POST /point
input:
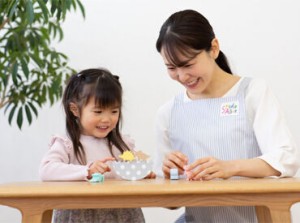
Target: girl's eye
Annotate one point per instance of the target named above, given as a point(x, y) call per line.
point(188, 65)
point(115, 111)
point(98, 111)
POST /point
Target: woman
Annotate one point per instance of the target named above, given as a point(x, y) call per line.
point(223, 125)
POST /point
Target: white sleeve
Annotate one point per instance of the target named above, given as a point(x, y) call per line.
point(163, 145)
point(273, 136)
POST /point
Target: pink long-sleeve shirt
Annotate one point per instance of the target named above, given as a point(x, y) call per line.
point(60, 163)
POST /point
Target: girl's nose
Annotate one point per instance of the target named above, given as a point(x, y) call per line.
point(105, 118)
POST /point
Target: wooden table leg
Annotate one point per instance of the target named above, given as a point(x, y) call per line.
point(28, 217)
point(280, 214)
point(36, 215)
point(32, 210)
point(47, 216)
point(263, 214)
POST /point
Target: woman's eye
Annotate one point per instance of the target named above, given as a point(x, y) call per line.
point(188, 65)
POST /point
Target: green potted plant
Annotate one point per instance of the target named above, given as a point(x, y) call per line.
point(32, 73)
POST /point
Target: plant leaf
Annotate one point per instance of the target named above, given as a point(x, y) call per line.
point(11, 114)
point(20, 117)
point(29, 11)
point(24, 67)
point(15, 72)
point(31, 71)
point(61, 34)
point(7, 107)
point(28, 114)
point(33, 108)
point(81, 8)
point(44, 9)
point(12, 8)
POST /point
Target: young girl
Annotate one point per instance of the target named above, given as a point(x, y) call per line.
point(92, 102)
point(223, 125)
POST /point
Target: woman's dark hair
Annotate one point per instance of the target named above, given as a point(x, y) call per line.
point(106, 90)
point(187, 33)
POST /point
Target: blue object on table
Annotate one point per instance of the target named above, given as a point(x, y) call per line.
point(174, 174)
point(97, 178)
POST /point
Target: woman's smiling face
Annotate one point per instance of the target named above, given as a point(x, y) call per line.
point(195, 74)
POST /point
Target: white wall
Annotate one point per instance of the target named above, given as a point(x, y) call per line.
point(260, 38)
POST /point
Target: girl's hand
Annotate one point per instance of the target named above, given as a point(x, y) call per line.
point(151, 175)
point(209, 168)
point(100, 166)
point(172, 160)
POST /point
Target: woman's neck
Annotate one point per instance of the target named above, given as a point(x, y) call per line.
point(220, 84)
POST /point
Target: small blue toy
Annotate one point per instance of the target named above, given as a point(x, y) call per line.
point(174, 174)
point(97, 178)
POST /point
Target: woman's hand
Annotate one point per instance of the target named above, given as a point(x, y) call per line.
point(100, 166)
point(209, 168)
point(176, 160)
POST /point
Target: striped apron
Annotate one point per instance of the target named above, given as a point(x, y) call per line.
point(215, 127)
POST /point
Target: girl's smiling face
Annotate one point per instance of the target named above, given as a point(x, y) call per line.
point(96, 121)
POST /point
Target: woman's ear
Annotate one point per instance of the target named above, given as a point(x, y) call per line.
point(74, 109)
point(215, 48)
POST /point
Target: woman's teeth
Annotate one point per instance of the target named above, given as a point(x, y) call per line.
point(192, 82)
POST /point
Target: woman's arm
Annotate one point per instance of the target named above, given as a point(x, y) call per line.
point(280, 155)
point(278, 147)
point(163, 146)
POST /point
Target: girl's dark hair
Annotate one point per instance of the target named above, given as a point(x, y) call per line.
point(106, 90)
point(187, 33)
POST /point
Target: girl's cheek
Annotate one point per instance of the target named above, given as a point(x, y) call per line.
point(116, 121)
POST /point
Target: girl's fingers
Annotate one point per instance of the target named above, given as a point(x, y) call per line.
point(104, 167)
point(166, 172)
point(100, 166)
point(107, 159)
point(151, 175)
point(99, 169)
